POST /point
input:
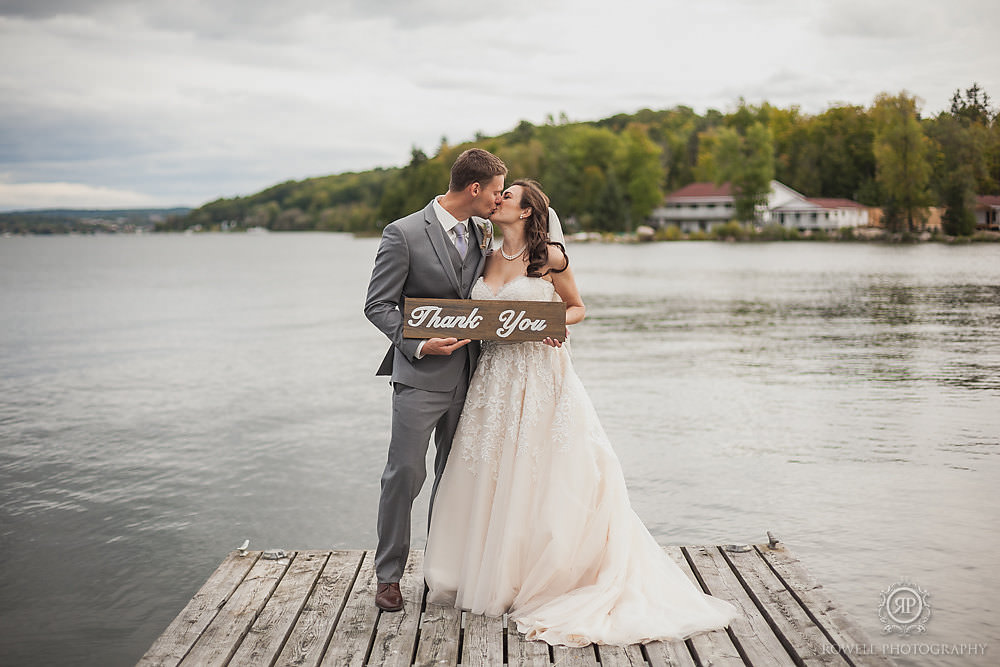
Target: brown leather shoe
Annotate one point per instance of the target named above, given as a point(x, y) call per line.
point(388, 597)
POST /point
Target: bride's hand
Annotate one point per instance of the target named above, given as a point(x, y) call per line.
point(552, 342)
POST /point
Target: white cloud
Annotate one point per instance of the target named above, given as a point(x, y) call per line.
point(21, 196)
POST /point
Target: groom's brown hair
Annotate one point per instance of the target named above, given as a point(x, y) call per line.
point(475, 166)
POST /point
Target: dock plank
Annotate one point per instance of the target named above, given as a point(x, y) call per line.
point(483, 645)
point(352, 637)
point(792, 625)
point(621, 656)
point(837, 624)
point(322, 610)
point(574, 656)
point(669, 654)
point(396, 635)
point(317, 608)
point(750, 628)
point(171, 647)
point(267, 635)
point(440, 629)
point(223, 635)
point(717, 644)
point(523, 653)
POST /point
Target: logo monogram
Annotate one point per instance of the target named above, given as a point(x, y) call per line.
point(904, 609)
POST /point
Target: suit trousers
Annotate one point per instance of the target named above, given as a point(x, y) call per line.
point(415, 414)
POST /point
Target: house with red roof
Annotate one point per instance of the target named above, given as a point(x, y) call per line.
point(695, 207)
point(988, 212)
point(702, 206)
point(817, 213)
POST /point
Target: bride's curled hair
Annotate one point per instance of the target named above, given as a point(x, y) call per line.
point(536, 228)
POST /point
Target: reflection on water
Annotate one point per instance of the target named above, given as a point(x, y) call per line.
point(164, 398)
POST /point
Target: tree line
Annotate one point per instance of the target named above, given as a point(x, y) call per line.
point(608, 175)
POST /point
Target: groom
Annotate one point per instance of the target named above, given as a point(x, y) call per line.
point(433, 253)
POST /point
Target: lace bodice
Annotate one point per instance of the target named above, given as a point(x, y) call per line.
point(514, 384)
point(522, 288)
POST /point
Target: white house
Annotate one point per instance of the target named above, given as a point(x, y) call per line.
point(702, 206)
point(988, 212)
point(813, 213)
point(698, 206)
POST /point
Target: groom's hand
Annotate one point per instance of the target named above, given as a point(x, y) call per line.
point(443, 346)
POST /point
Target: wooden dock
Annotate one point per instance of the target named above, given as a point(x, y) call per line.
point(316, 608)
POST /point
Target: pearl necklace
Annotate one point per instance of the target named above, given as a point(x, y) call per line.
point(511, 258)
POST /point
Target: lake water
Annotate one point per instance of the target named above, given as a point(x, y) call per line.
point(163, 398)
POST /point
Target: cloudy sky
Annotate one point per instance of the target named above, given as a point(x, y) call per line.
point(119, 103)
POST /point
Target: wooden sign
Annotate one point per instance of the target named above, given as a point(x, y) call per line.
point(513, 321)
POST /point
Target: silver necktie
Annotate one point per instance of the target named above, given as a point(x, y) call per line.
point(461, 240)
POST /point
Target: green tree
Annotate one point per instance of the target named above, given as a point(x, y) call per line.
point(747, 162)
point(973, 107)
point(958, 161)
point(706, 166)
point(577, 168)
point(961, 165)
point(845, 136)
point(637, 163)
point(416, 184)
point(902, 166)
point(974, 111)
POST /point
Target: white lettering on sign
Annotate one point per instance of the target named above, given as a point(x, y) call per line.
point(511, 321)
point(430, 316)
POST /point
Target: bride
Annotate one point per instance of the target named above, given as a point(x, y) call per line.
point(532, 517)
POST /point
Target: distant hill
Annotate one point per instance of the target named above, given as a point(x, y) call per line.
point(65, 220)
point(609, 174)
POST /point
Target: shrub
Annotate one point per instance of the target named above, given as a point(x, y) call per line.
point(669, 233)
point(772, 232)
point(731, 229)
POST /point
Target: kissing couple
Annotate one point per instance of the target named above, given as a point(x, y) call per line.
point(530, 515)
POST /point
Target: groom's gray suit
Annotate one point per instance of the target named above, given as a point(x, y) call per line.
point(417, 259)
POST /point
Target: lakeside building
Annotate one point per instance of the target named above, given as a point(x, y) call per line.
point(695, 207)
point(702, 206)
point(988, 212)
point(815, 213)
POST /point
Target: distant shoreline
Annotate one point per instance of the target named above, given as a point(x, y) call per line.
point(870, 236)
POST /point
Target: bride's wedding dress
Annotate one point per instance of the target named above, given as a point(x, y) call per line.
point(532, 516)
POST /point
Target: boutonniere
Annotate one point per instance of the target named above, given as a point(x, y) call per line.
point(486, 231)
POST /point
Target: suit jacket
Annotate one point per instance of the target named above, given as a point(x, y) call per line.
point(414, 260)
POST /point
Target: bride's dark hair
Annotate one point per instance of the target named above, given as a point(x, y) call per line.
point(536, 228)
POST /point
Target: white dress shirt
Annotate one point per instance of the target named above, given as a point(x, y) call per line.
point(448, 221)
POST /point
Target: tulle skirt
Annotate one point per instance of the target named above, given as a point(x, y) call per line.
point(532, 517)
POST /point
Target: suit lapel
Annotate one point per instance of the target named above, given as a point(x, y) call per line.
point(435, 232)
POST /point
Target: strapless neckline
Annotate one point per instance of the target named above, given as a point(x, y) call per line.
point(513, 281)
